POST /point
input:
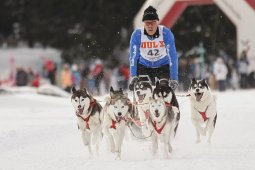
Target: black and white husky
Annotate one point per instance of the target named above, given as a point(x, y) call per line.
point(203, 108)
point(89, 119)
point(163, 90)
point(142, 95)
point(116, 113)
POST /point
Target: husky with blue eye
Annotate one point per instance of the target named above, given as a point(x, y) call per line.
point(203, 109)
point(116, 114)
point(89, 119)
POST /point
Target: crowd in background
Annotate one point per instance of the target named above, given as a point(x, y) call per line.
point(221, 72)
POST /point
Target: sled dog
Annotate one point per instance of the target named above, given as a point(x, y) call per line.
point(142, 95)
point(116, 113)
point(89, 119)
point(203, 109)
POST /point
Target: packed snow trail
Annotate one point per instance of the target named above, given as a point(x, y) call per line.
point(40, 132)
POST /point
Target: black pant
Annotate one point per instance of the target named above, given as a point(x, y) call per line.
point(160, 72)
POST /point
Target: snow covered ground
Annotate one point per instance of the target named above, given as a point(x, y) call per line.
point(40, 132)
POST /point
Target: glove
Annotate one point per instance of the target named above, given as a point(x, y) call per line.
point(132, 84)
point(173, 84)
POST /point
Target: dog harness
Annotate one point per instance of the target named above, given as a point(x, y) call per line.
point(113, 126)
point(86, 120)
point(160, 129)
point(203, 114)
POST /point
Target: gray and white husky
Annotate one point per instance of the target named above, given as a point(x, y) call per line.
point(203, 108)
point(162, 124)
point(89, 119)
point(116, 114)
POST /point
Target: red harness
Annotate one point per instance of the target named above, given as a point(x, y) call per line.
point(160, 129)
point(113, 126)
point(203, 114)
point(154, 123)
point(146, 113)
point(86, 120)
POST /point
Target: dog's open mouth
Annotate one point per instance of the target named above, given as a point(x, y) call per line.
point(141, 98)
point(198, 96)
point(119, 118)
point(157, 114)
point(80, 111)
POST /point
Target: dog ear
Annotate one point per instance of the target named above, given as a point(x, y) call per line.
point(111, 91)
point(157, 83)
point(73, 90)
point(203, 81)
point(193, 80)
point(85, 90)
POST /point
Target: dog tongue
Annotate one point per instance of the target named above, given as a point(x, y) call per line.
point(199, 96)
point(140, 98)
point(80, 111)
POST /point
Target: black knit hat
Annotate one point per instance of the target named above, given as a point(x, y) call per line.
point(150, 13)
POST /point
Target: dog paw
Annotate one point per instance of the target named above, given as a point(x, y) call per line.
point(198, 141)
point(117, 157)
point(113, 151)
point(203, 132)
point(170, 149)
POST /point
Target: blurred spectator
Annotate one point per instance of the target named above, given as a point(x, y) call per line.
point(36, 81)
point(21, 77)
point(243, 65)
point(76, 76)
point(251, 79)
point(220, 71)
point(123, 76)
point(30, 76)
point(98, 73)
point(84, 77)
point(66, 78)
point(234, 79)
point(50, 68)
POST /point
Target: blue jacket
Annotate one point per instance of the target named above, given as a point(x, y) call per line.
point(171, 57)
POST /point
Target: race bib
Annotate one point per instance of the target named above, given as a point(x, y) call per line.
point(153, 50)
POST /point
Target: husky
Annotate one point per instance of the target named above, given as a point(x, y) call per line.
point(89, 119)
point(203, 108)
point(116, 114)
point(162, 123)
point(142, 95)
point(163, 90)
